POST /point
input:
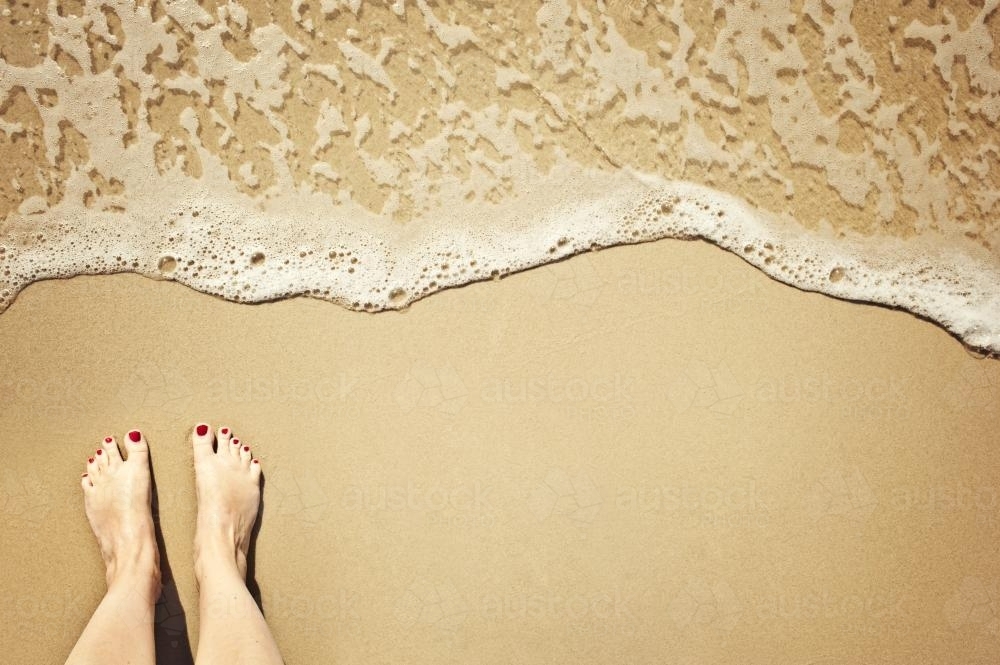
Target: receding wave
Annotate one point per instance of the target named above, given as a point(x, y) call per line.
point(374, 153)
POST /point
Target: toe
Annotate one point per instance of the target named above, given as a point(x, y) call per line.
point(234, 448)
point(85, 482)
point(245, 456)
point(224, 436)
point(100, 459)
point(93, 467)
point(201, 439)
point(255, 469)
point(111, 451)
point(135, 442)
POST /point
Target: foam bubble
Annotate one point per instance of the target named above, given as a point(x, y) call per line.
point(372, 155)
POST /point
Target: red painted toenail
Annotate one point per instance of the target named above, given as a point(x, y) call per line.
point(236, 442)
point(225, 430)
point(256, 461)
point(246, 449)
point(108, 439)
point(202, 430)
point(135, 436)
point(91, 460)
point(100, 452)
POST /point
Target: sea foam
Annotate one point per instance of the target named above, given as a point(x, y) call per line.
point(372, 154)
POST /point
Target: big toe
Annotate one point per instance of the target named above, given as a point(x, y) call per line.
point(201, 440)
point(135, 442)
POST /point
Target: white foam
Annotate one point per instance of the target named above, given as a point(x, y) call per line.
point(358, 173)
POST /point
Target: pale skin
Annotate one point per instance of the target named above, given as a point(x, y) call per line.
point(116, 494)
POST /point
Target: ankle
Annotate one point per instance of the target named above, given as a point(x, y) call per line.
point(135, 576)
point(217, 556)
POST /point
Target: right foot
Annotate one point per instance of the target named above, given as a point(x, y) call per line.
point(228, 484)
point(116, 495)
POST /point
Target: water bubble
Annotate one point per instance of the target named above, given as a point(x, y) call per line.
point(167, 264)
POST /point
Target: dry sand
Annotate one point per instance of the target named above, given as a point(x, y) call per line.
point(644, 455)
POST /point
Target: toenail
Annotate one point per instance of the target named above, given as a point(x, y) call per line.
point(225, 430)
point(256, 461)
point(135, 435)
point(107, 439)
point(236, 442)
point(246, 449)
point(202, 430)
point(100, 452)
point(91, 460)
point(83, 475)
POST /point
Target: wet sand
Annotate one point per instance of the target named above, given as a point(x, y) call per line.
point(648, 454)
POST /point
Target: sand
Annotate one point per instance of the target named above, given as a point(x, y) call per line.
point(643, 455)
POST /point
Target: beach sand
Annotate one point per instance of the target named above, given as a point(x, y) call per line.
point(643, 455)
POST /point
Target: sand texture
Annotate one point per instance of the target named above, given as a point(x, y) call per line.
point(643, 455)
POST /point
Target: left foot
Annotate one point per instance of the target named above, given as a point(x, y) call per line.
point(116, 496)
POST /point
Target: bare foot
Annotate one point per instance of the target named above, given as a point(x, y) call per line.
point(228, 484)
point(116, 496)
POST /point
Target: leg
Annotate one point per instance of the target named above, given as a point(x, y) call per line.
point(116, 496)
point(228, 482)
